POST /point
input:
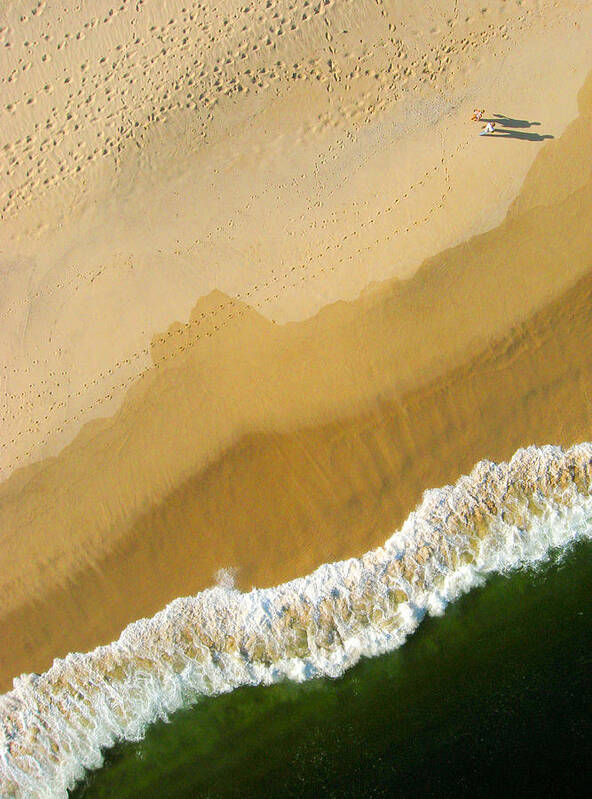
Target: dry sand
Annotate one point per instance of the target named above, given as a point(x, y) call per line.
point(291, 420)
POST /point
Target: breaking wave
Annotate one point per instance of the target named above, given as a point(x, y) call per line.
point(500, 517)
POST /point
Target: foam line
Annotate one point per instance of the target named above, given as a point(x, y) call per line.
point(500, 517)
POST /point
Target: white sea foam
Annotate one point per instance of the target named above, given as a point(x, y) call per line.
point(501, 517)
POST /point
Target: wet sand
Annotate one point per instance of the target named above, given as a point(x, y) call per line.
point(277, 502)
point(279, 429)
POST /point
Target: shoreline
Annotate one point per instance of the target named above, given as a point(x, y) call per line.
point(353, 336)
point(326, 490)
point(501, 518)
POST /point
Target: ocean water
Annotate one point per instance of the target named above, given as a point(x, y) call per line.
point(493, 698)
point(261, 693)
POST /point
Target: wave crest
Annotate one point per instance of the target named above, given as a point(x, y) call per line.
point(500, 517)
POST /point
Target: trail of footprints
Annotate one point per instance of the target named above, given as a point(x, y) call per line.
point(273, 275)
point(120, 114)
point(317, 69)
point(350, 113)
point(229, 311)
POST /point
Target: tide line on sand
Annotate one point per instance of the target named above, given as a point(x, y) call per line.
point(500, 517)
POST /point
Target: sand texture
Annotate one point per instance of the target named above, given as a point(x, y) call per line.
point(262, 284)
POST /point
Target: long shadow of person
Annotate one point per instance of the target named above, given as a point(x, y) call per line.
point(506, 128)
point(519, 134)
point(510, 122)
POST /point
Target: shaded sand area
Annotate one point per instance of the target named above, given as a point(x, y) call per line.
point(280, 428)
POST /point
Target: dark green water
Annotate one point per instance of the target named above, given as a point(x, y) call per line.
point(492, 699)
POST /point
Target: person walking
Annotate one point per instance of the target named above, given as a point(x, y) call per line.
point(489, 128)
point(477, 114)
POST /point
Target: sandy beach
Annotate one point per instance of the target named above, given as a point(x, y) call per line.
point(263, 284)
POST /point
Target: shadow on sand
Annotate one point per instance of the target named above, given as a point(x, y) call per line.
point(518, 134)
point(510, 122)
point(506, 128)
